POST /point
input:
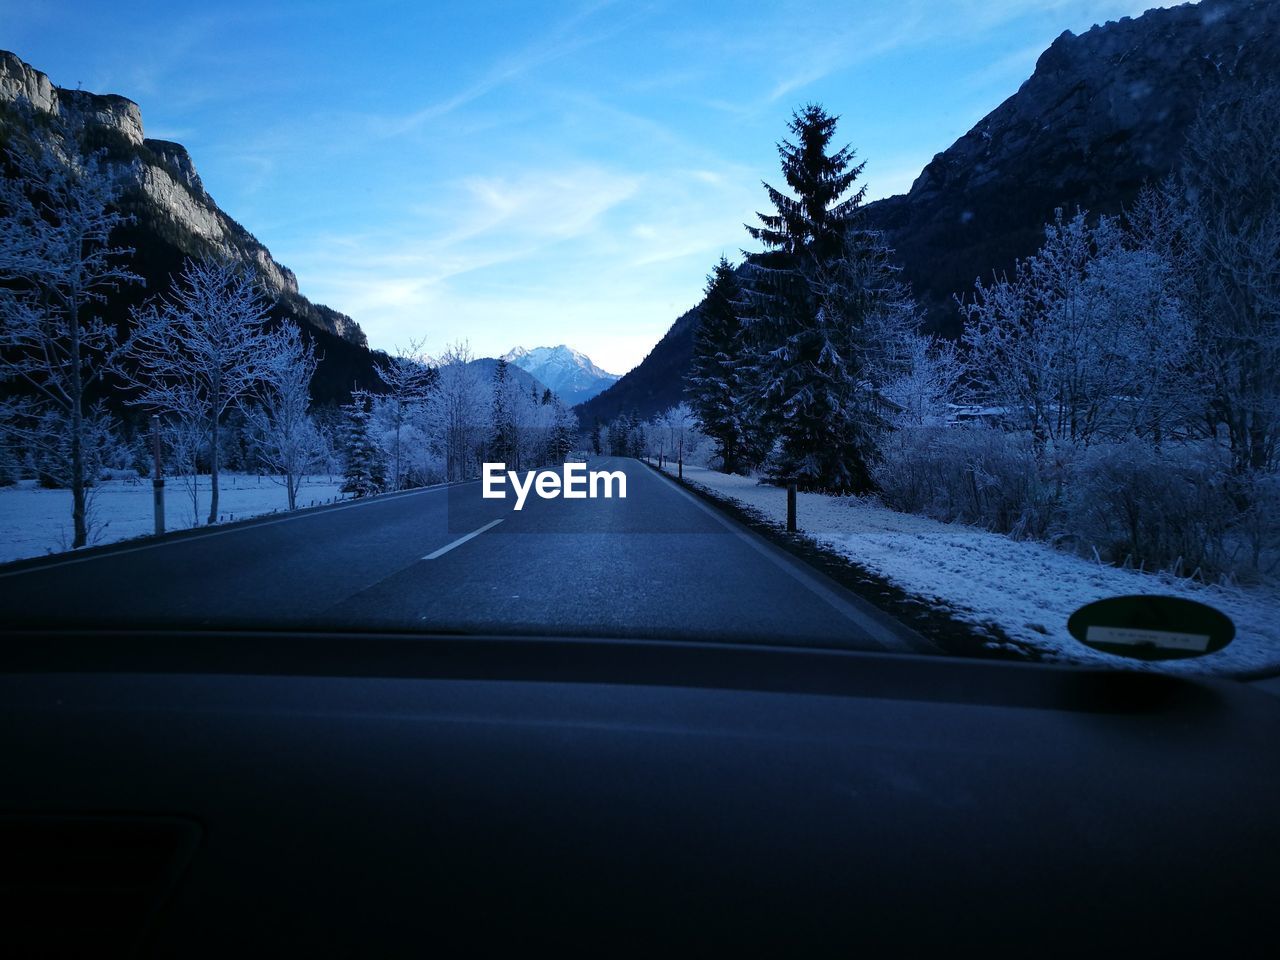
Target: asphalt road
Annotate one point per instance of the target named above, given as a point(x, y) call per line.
point(659, 564)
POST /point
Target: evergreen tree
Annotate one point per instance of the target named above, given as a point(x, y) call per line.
point(809, 296)
point(503, 440)
point(564, 433)
point(715, 386)
point(366, 472)
point(595, 439)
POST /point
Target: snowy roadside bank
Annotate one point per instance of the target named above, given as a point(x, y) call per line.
point(1028, 589)
point(35, 521)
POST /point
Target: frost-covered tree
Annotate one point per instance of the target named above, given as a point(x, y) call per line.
point(409, 378)
point(366, 469)
point(198, 351)
point(504, 439)
point(626, 435)
point(58, 212)
point(1230, 185)
point(923, 381)
point(459, 412)
point(563, 432)
point(1086, 341)
point(284, 435)
point(809, 294)
point(716, 387)
point(682, 430)
point(186, 443)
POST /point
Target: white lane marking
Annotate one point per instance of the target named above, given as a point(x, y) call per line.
point(239, 528)
point(435, 554)
point(878, 632)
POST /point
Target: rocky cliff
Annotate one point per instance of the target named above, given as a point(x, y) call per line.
point(1104, 112)
point(170, 201)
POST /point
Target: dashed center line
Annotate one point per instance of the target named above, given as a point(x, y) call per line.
point(461, 540)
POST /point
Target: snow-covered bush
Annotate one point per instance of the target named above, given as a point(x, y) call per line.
point(1178, 508)
point(977, 475)
point(50, 445)
point(10, 467)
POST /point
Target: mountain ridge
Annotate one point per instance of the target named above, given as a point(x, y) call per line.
point(165, 174)
point(1103, 112)
point(176, 218)
point(570, 374)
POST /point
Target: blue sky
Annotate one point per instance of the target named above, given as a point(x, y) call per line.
point(532, 173)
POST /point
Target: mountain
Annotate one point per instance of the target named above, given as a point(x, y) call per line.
point(177, 218)
point(527, 382)
point(656, 384)
point(1104, 112)
point(570, 374)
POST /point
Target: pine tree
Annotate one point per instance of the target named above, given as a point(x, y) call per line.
point(503, 440)
point(564, 433)
point(715, 386)
point(366, 472)
point(809, 296)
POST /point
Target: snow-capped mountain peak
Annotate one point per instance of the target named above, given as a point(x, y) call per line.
point(568, 372)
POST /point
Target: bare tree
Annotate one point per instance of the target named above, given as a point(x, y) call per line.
point(201, 351)
point(459, 411)
point(1087, 340)
point(409, 379)
point(185, 440)
point(681, 426)
point(287, 439)
point(57, 264)
point(925, 379)
point(1231, 186)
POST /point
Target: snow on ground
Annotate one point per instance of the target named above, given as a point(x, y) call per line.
point(1028, 589)
point(34, 521)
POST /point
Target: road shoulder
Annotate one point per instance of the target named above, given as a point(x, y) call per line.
point(933, 629)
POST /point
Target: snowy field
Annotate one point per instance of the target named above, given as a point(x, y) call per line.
point(34, 522)
point(1028, 589)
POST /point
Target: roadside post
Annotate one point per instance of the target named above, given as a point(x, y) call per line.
point(791, 506)
point(157, 480)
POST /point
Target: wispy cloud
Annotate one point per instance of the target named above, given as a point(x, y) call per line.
point(571, 35)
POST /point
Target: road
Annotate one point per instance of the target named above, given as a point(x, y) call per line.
point(660, 563)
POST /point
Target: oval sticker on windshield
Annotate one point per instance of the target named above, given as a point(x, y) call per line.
point(1151, 627)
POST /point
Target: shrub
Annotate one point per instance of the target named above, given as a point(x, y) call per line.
point(1179, 508)
point(978, 475)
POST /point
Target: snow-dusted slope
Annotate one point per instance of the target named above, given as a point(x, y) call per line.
point(570, 374)
point(1027, 589)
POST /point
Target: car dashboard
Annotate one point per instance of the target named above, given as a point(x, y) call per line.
point(203, 793)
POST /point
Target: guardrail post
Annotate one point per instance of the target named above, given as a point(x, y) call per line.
point(791, 507)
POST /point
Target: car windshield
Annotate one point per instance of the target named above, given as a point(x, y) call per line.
point(924, 328)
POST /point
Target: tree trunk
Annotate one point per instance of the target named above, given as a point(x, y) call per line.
point(397, 480)
point(213, 454)
point(78, 506)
